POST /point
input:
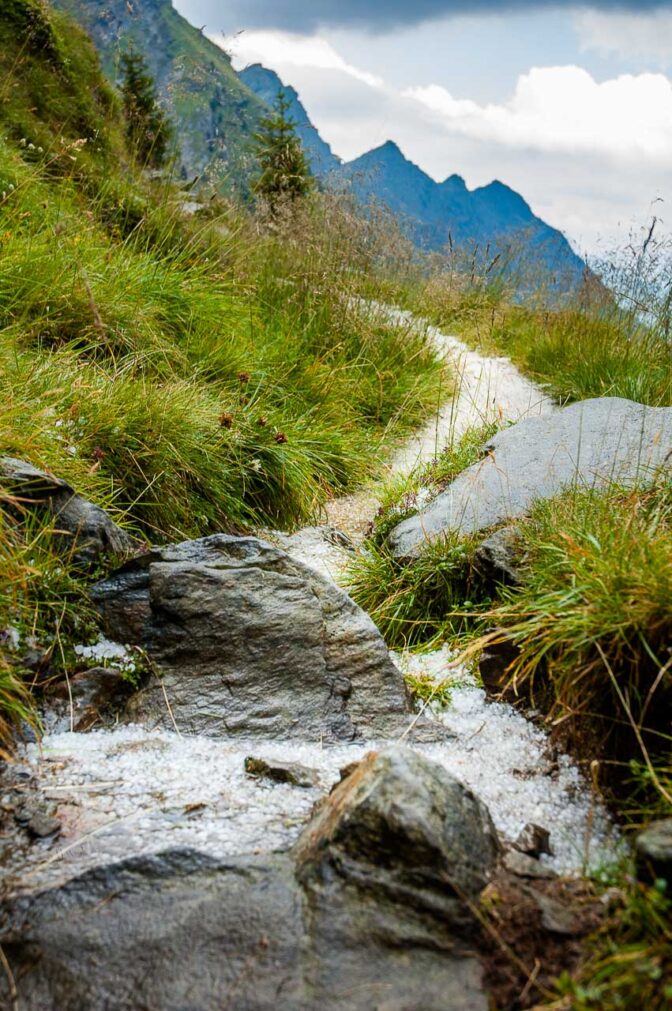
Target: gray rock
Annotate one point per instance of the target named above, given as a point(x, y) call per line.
point(250, 641)
point(496, 558)
point(37, 822)
point(557, 917)
point(526, 866)
point(84, 531)
point(534, 840)
point(90, 697)
point(292, 773)
point(434, 841)
point(588, 443)
point(494, 663)
point(369, 911)
point(653, 849)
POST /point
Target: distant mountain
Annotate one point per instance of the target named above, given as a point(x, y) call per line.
point(436, 213)
point(213, 111)
point(432, 213)
point(216, 112)
point(267, 85)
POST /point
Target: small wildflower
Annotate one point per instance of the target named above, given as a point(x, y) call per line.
point(226, 420)
point(98, 453)
point(31, 147)
point(280, 438)
point(244, 377)
point(262, 421)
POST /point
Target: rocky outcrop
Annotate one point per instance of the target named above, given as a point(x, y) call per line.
point(83, 532)
point(370, 910)
point(588, 444)
point(250, 641)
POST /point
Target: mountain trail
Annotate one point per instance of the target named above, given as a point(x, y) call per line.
point(486, 389)
point(131, 790)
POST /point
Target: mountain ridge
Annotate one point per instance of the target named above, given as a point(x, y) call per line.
point(433, 213)
point(217, 111)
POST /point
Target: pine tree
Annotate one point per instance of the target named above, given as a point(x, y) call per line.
point(284, 172)
point(148, 129)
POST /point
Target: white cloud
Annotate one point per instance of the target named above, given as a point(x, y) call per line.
point(645, 36)
point(565, 109)
point(589, 157)
point(274, 48)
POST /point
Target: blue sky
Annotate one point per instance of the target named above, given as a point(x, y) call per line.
point(570, 105)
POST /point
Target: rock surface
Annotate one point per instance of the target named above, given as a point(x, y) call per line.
point(84, 531)
point(277, 771)
point(653, 848)
point(251, 642)
point(89, 698)
point(588, 443)
point(361, 915)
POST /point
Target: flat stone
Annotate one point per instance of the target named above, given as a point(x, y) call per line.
point(589, 443)
point(526, 866)
point(277, 771)
point(557, 917)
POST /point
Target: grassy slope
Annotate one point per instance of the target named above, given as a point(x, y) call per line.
point(215, 114)
point(590, 346)
point(191, 374)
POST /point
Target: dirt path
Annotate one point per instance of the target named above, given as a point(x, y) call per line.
point(487, 389)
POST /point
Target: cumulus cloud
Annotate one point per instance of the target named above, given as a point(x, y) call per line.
point(270, 48)
point(590, 157)
point(299, 15)
point(565, 109)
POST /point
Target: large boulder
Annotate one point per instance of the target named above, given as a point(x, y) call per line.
point(589, 444)
point(250, 641)
point(370, 911)
point(83, 531)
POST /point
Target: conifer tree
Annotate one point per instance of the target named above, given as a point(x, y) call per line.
point(148, 129)
point(284, 174)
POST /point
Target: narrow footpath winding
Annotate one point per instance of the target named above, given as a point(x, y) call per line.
point(129, 790)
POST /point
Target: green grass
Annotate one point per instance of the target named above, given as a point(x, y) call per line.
point(589, 343)
point(592, 622)
point(189, 374)
point(627, 965)
point(432, 596)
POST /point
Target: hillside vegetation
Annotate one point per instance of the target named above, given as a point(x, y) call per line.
point(192, 374)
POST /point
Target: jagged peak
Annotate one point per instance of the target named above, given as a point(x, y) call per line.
point(454, 181)
point(499, 190)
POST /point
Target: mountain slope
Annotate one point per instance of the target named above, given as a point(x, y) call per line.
point(213, 111)
point(266, 85)
point(436, 213)
point(432, 213)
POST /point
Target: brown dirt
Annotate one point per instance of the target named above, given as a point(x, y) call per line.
point(522, 956)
